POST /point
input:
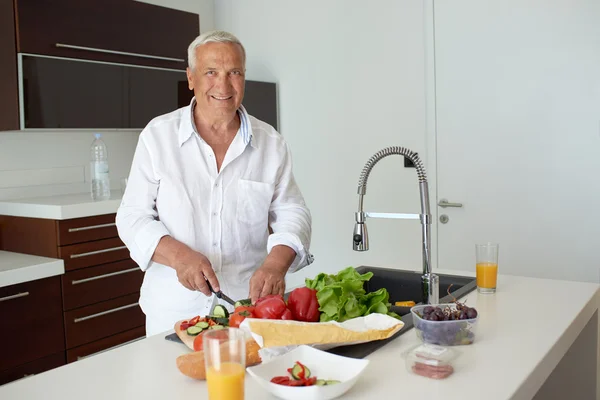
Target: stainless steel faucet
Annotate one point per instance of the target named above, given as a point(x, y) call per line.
point(429, 281)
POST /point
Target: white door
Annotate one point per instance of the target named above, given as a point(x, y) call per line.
point(518, 134)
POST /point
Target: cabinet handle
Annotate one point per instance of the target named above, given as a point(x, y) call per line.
point(91, 253)
point(87, 228)
point(111, 348)
point(93, 278)
point(124, 53)
point(76, 320)
point(14, 296)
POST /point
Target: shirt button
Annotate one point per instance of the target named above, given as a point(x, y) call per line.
point(216, 185)
point(215, 214)
point(215, 244)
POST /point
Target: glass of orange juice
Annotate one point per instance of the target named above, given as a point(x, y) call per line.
point(225, 357)
point(487, 267)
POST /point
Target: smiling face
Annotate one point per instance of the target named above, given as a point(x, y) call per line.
point(218, 79)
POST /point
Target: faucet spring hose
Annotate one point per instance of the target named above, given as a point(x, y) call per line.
point(388, 151)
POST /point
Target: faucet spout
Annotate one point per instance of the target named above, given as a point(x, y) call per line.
point(429, 281)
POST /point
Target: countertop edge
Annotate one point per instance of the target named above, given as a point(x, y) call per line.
point(32, 273)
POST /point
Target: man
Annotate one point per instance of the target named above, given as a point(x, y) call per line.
point(206, 183)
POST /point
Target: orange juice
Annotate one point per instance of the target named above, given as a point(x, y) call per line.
point(227, 383)
point(486, 275)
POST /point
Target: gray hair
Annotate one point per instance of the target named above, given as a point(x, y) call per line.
point(212, 36)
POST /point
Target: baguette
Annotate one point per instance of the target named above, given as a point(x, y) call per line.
point(192, 364)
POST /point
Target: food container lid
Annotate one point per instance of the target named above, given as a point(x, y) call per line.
point(431, 354)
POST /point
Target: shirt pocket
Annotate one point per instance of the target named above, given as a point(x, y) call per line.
point(253, 203)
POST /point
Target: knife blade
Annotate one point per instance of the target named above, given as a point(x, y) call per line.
point(220, 294)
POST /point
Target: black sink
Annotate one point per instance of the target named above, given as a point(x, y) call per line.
point(403, 286)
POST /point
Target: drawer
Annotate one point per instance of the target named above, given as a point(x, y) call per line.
point(104, 282)
point(32, 368)
point(32, 324)
point(79, 230)
point(93, 253)
point(109, 343)
point(87, 324)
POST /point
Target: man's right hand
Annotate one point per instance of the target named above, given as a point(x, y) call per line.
point(193, 268)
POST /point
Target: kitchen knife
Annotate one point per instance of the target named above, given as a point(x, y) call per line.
point(220, 294)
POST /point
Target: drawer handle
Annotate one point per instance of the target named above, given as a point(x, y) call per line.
point(14, 296)
point(110, 348)
point(91, 253)
point(87, 228)
point(124, 53)
point(76, 320)
point(93, 278)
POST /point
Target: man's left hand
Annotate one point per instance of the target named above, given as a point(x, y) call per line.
point(270, 277)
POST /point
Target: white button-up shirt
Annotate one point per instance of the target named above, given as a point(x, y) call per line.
point(174, 189)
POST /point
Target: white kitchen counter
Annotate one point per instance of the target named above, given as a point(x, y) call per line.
point(61, 207)
point(525, 329)
point(18, 268)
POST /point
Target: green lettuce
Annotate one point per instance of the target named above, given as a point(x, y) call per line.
point(342, 296)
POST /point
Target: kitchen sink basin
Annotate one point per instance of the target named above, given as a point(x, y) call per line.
point(403, 286)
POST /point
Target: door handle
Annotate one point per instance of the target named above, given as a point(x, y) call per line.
point(444, 203)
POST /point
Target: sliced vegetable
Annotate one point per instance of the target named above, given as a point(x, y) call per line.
point(237, 318)
point(245, 302)
point(300, 371)
point(202, 324)
point(220, 311)
point(249, 309)
point(218, 321)
point(287, 315)
point(193, 330)
point(216, 327)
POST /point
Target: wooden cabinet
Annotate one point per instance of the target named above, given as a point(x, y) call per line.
point(31, 368)
point(114, 31)
point(32, 322)
point(123, 31)
point(91, 308)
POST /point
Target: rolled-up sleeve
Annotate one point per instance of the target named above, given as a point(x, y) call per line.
point(289, 217)
point(137, 218)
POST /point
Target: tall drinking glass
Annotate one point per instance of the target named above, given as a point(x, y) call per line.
point(225, 357)
point(486, 256)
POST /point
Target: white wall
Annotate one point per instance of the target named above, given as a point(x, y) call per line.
point(65, 153)
point(351, 80)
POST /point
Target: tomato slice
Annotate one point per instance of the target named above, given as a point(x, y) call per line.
point(198, 342)
point(194, 320)
point(281, 380)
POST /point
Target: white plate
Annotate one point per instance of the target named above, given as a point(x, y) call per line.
point(322, 364)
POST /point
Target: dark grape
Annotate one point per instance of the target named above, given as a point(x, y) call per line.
point(472, 313)
point(427, 310)
point(463, 315)
point(433, 317)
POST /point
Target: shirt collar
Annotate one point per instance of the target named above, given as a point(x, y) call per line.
point(187, 126)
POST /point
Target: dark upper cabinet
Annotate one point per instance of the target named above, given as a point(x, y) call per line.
point(105, 29)
point(53, 38)
point(9, 94)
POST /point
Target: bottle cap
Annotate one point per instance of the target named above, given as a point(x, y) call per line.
point(98, 135)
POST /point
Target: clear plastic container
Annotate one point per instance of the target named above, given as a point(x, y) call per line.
point(431, 361)
point(443, 333)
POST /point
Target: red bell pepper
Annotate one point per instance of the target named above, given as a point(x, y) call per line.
point(270, 307)
point(304, 305)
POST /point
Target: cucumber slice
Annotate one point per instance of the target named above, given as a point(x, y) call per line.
point(297, 371)
point(321, 382)
point(220, 321)
point(217, 327)
point(245, 302)
point(331, 382)
point(202, 325)
point(220, 311)
point(193, 330)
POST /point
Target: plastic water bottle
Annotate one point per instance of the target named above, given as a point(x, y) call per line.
point(99, 169)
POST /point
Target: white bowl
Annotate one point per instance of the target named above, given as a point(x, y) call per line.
point(321, 364)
